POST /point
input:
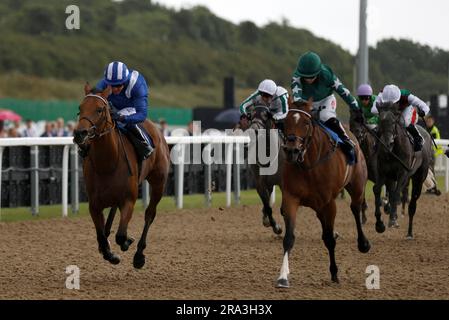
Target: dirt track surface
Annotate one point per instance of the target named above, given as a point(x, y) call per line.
point(228, 254)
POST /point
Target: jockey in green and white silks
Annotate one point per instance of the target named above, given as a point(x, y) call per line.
point(270, 95)
point(407, 103)
point(313, 79)
point(366, 99)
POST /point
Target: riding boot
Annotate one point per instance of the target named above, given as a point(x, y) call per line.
point(348, 146)
point(143, 147)
point(418, 140)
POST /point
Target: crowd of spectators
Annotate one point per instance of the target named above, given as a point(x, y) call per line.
point(30, 128)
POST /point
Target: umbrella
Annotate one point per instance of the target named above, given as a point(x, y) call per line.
point(228, 115)
point(9, 115)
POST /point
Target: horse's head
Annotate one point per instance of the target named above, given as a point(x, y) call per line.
point(261, 118)
point(94, 116)
point(357, 128)
point(298, 130)
point(389, 116)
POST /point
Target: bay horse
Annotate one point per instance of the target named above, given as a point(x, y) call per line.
point(398, 163)
point(315, 172)
point(112, 176)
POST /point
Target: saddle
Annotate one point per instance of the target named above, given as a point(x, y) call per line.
point(351, 156)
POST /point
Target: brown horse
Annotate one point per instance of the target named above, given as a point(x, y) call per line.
point(112, 176)
point(315, 172)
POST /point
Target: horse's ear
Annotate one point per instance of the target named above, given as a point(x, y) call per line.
point(107, 92)
point(87, 88)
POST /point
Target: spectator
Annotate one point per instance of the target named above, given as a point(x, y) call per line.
point(164, 127)
point(53, 128)
point(70, 128)
point(48, 130)
point(435, 133)
point(3, 132)
point(13, 133)
point(190, 128)
point(29, 130)
point(60, 131)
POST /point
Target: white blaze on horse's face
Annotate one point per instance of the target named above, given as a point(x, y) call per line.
point(296, 116)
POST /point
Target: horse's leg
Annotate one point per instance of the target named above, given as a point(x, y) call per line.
point(377, 189)
point(103, 243)
point(109, 221)
point(126, 212)
point(364, 208)
point(264, 192)
point(326, 215)
point(404, 198)
point(417, 182)
point(289, 207)
point(157, 190)
point(357, 203)
point(394, 190)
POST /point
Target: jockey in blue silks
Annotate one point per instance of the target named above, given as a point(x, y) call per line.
point(129, 103)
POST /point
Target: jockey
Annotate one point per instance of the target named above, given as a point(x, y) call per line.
point(435, 133)
point(406, 101)
point(129, 103)
point(270, 95)
point(365, 99)
point(313, 79)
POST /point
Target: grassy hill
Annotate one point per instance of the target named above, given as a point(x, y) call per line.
point(183, 54)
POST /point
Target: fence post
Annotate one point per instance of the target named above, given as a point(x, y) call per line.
point(237, 173)
point(74, 181)
point(145, 193)
point(207, 175)
point(228, 162)
point(446, 173)
point(179, 176)
point(65, 179)
point(1, 176)
point(34, 163)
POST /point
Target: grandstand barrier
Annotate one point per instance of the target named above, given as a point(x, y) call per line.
point(70, 151)
point(232, 152)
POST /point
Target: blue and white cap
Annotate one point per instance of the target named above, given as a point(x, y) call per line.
point(116, 73)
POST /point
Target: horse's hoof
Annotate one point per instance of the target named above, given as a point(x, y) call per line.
point(277, 229)
point(112, 258)
point(409, 237)
point(393, 224)
point(364, 246)
point(139, 261)
point(380, 227)
point(334, 279)
point(336, 235)
point(282, 283)
point(265, 221)
point(125, 246)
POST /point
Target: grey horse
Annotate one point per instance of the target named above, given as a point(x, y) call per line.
point(398, 163)
point(259, 129)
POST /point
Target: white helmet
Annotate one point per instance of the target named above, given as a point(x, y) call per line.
point(391, 93)
point(268, 86)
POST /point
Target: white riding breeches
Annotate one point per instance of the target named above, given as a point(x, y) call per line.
point(409, 116)
point(325, 109)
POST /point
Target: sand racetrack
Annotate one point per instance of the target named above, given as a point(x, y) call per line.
point(228, 254)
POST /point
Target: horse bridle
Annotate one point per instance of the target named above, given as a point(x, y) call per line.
point(92, 130)
point(259, 122)
point(304, 142)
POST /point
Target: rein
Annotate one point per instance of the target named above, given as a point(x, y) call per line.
point(307, 140)
point(406, 167)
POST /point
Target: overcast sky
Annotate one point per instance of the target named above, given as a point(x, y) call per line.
point(423, 21)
